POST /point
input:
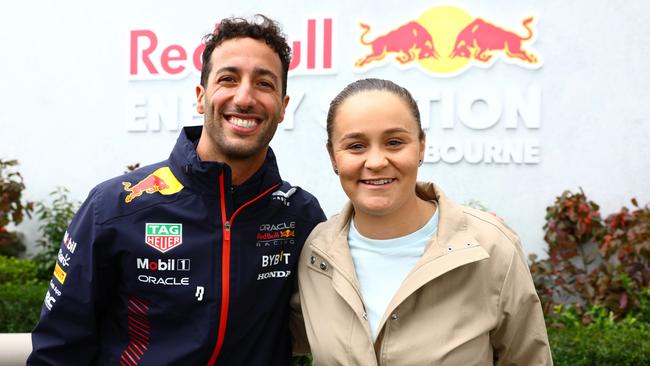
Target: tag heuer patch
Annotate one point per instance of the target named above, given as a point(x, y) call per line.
point(164, 237)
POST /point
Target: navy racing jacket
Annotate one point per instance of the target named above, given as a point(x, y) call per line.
point(173, 265)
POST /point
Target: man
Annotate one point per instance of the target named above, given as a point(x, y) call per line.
point(190, 261)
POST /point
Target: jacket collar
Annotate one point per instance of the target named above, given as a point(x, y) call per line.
point(203, 176)
point(453, 246)
point(452, 223)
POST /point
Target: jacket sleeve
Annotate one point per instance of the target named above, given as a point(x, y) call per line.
point(520, 337)
point(67, 332)
point(300, 345)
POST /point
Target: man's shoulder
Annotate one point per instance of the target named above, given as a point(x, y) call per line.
point(299, 201)
point(133, 191)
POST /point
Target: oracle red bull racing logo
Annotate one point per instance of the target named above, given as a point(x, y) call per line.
point(446, 40)
point(162, 180)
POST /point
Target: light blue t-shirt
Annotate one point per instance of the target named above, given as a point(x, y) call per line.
point(382, 265)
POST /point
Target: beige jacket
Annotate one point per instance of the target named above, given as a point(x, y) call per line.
point(469, 300)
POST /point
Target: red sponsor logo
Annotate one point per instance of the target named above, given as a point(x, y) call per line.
point(163, 243)
point(409, 42)
point(480, 39)
point(446, 40)
point(151, 184)
point(153, 57)
point(268, 236)
point(288, 233)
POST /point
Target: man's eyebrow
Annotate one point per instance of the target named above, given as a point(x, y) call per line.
point(260, 71)
point(232, 69)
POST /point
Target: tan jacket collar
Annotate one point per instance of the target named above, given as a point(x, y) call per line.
point(453, 246)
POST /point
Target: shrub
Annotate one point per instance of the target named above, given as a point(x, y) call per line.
point(20, 305)
point(55, 222)
point(21, 296)
point(620, 344)
point(591, 261)
point(626, 248)
point(12, 208)
point(302, 360)
point(16, 270)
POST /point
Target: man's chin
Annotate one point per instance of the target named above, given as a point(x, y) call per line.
point(243, 152)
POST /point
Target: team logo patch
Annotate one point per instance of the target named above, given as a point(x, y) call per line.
point(59, 273)
point(162, 181)
point(164, 237)
point(283, 196)
point(276, 234)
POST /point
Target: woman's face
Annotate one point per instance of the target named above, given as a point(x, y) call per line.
point(376, 149)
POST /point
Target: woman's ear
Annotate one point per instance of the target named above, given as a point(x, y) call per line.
point(330, 151)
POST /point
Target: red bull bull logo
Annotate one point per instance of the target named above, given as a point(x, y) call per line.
point(479, 39)
point(162, 180)
point(446, 40)
point(410, 42)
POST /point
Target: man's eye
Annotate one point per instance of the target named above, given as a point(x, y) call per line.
point(226, 79)
point(266, 84)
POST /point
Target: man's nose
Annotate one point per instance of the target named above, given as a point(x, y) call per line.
point(244, 97)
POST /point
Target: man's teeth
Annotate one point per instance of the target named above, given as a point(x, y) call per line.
point(378, 181)
point(245, 123)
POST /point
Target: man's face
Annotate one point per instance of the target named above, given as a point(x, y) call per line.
point(242, 100)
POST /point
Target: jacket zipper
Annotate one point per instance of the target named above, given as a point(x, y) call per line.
point(225, 264)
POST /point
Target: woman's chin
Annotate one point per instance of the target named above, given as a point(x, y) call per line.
point(373, 207)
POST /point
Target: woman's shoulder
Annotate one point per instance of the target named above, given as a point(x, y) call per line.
point(327, 231)
point(493, 233)
point(490, 223)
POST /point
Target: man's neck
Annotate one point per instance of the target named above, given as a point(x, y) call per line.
point(241, 169)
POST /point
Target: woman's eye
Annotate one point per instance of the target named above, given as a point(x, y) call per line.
point(355, 147)
point(395, 143)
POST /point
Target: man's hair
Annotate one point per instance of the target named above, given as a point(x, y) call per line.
point(365, 85)
point(259, 28)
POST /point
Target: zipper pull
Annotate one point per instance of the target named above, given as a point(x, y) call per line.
point(226, 232)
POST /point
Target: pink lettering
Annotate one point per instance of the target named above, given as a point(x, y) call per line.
point(167, 58)
point(146, 53)
point(196, 58)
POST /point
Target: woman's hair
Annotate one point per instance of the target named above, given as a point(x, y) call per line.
point(364, 85)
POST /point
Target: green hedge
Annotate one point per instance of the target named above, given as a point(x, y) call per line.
point(605, 342)
point(20, 306)
point(621, 344)
point(21, 296)
point(16, 270)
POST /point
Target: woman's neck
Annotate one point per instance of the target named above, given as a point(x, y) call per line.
point(412, 216)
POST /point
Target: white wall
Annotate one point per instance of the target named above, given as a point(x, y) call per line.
point(65, 91)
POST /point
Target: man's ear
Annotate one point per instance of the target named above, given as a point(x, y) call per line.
point(200, 95)
point(285, 103)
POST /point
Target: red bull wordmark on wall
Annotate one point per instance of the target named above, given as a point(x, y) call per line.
point(480, 122)
point(156, 56)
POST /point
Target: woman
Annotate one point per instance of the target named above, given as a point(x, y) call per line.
point(405, 276)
